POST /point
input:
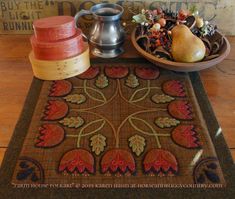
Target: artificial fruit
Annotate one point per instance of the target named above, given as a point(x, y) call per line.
point(186, 47)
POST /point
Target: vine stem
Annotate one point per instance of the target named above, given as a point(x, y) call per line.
point(127, 118)
point(138, 90)
point(71, 136)
point(78, 141)
point(90, 96)
point(154, 133)
point(100, 116)
point(148, 88)
point(104, 103)
point(96, 130)
point(147, 124)
point(80, 135)
point(128, 101)
point(163, 135)
point(158, 141)
point(86, 88)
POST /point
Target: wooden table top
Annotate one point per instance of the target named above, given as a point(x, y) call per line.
point(16, 76)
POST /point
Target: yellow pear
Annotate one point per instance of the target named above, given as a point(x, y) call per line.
point(186, 47)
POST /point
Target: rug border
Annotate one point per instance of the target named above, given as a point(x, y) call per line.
point(13, 151)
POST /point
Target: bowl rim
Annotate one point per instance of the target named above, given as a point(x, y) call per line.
point(183, 66)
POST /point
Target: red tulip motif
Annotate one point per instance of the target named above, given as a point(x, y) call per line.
point(77, 161)
point(116, 72)
point(55, 110)
point(160, 162)
point(50, 135)
point(91, 73)
point(60, 88)
point(118, 161)
point(185, 136)
point(174, 88)
point(147, 73)
point(180, 109)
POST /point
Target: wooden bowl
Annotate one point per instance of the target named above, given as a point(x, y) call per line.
point(181, 66)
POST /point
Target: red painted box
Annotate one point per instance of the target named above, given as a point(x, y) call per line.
point(58, 50)
point(54, 28)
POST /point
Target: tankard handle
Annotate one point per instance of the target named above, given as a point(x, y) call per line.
point(80, 14)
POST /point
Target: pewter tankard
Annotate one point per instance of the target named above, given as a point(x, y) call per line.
point(106, 34)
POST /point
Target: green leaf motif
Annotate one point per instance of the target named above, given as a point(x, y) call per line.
point(75, 98)
point(140, 18)
point(102, 81)
point(132, 81)
point(137, 144)
point(72, 122)
point(98, 143)
point(165, 122)
point(161, 99)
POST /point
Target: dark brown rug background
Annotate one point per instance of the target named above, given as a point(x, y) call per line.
point(9, 161)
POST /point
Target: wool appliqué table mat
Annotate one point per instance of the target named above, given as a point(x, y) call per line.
point(125, 124)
